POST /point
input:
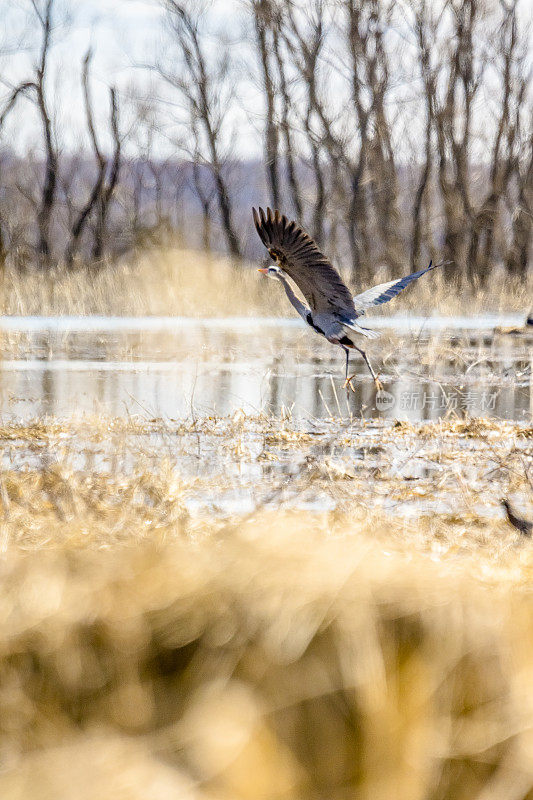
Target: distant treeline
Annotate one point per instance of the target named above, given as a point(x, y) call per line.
point(395, 131)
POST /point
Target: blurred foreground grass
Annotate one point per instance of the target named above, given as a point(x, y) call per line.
point(148, 652)
point(194, 283)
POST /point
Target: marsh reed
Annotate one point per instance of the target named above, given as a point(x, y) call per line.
point(194, 283)
point(151, 650)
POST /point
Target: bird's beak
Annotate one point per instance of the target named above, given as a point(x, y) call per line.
point(264, 270)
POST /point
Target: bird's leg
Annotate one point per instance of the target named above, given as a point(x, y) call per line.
point(347, 352)
point(379, 385)
point(347, 381)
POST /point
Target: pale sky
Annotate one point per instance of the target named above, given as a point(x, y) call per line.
point(124, 34)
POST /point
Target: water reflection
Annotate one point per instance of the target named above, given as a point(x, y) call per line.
point(198, 368)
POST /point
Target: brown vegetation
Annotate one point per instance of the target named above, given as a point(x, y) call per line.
point(177, 282)
point(282, 653)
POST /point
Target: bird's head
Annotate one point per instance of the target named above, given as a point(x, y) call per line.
point(271, 272)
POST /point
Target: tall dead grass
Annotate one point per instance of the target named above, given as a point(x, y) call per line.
point(284, 656)
point(193, 283)
point(147, 652)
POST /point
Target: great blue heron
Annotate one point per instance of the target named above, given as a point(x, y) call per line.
point(333, 312)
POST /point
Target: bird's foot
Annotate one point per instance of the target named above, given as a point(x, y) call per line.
point(348, 383)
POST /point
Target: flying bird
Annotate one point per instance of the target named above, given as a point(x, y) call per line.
point(332, 311)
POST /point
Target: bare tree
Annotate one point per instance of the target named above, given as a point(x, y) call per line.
point(380, 158)
point(35, 88)
point(305, 45)
point(205, 194)
point(452, 82)
point(332, 83)
point(204, 189)
point(365, 156)
point(363, 50)
point(459, 74)
point(285, 124)
point(201, 87)
point(142, 137)
point(264, 21)
point(51, 166)
point(517, 258)
point(179, 170)
point(82, 217)
point(428, 82)
point(20, 90)
point(110, 182)
point(149, 124)
point(157, 168)
point(504, 157)
point(102, 191)
point(136, 177)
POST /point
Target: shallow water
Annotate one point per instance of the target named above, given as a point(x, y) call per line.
point(99, 323)
point(186, 368)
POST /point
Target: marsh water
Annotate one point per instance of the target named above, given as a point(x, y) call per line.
point(249, 408)
point(179, 368)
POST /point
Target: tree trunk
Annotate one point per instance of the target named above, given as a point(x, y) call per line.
point(51, 165)
point(106, 194)
point(290, 159)
point(262, 19)
point(416, 231)
point(224, 205)
point(206, 227)
point(517, 259)
point(79, 225)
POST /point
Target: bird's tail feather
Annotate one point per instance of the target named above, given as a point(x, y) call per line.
point(368, 333)
point(353, 326)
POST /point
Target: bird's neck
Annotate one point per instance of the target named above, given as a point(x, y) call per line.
point(302, 310)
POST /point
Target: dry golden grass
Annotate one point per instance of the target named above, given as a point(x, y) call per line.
point(148, 651)
point(284, 656)
point(171, 282)
point(193, 283)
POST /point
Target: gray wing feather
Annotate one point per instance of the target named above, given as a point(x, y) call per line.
point(298, 256)
point(384, 292)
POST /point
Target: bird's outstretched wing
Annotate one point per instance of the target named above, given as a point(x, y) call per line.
point(298, 256)
point(384, 292)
